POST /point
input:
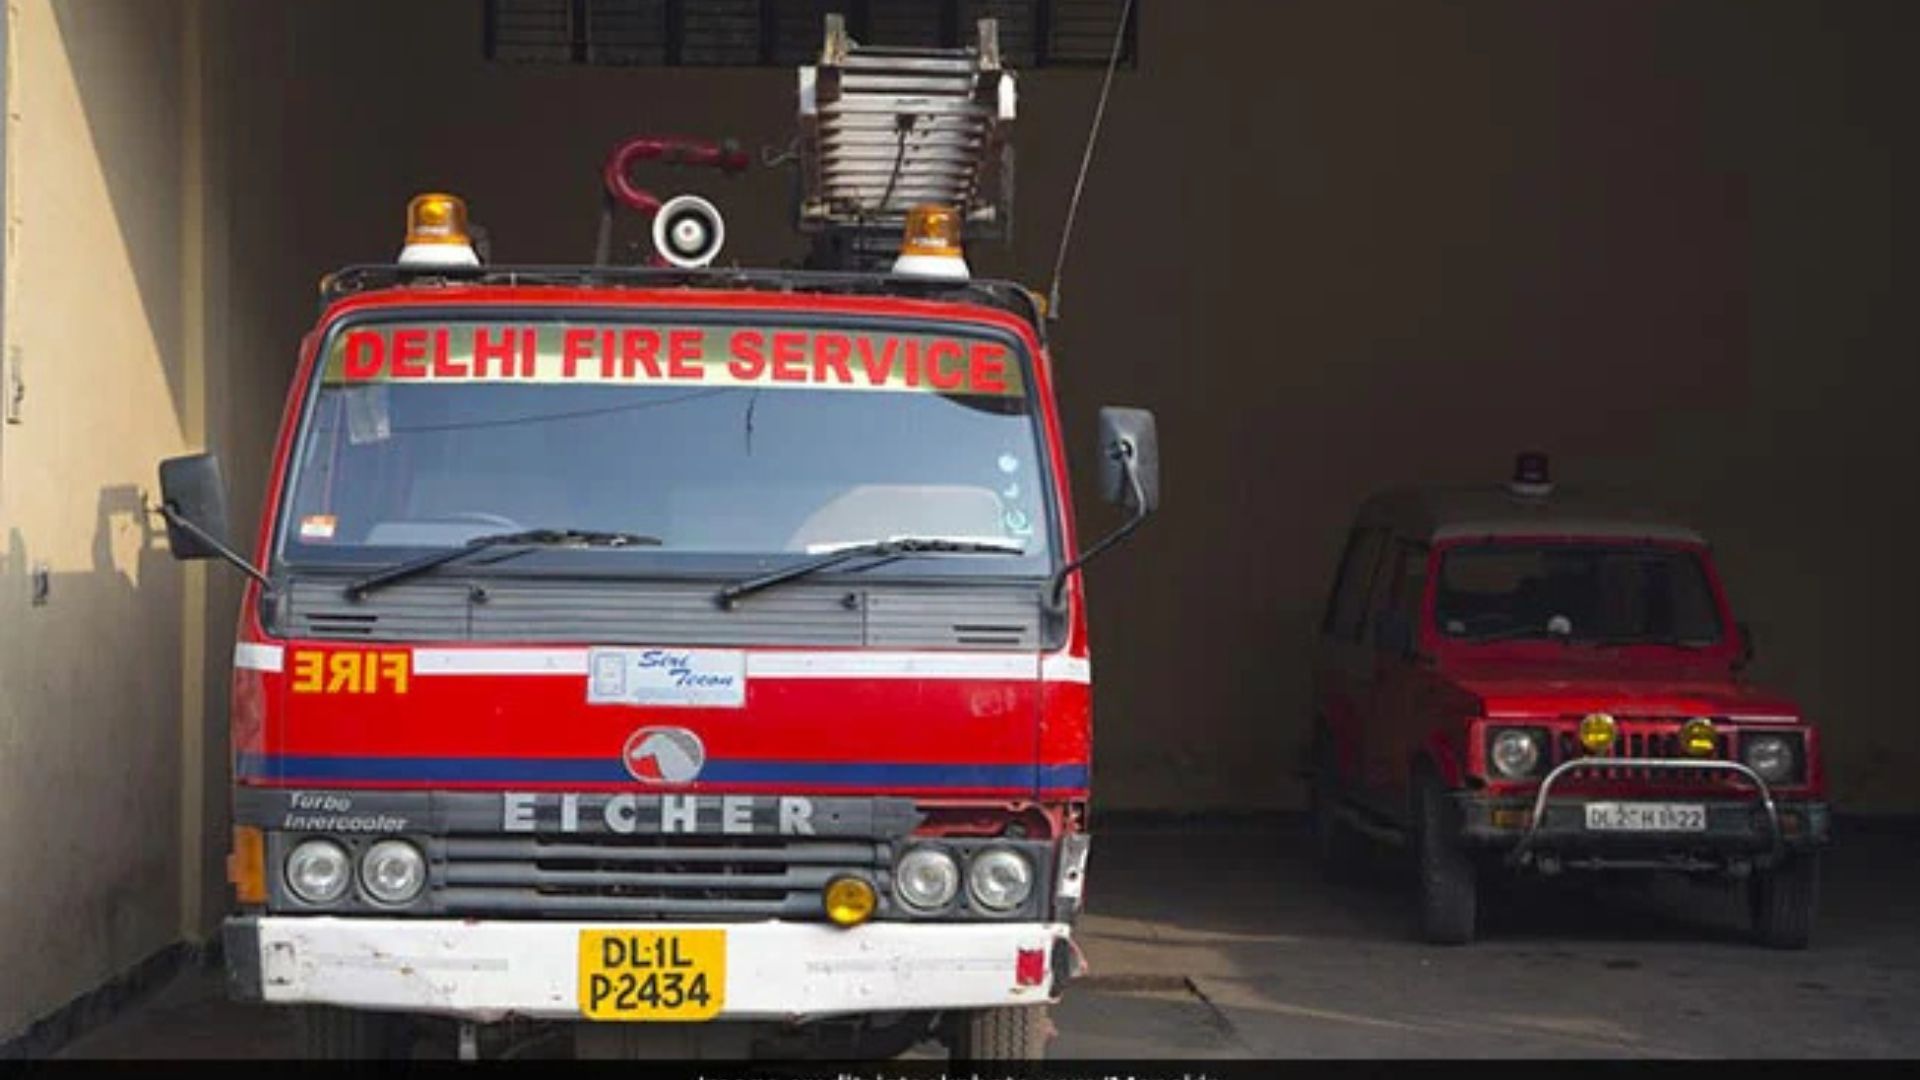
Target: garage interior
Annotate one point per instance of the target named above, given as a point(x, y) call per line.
point(1334, 245)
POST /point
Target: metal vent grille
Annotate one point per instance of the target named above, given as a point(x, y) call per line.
point(785, 33)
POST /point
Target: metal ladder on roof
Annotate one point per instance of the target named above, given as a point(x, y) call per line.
point(885, 129)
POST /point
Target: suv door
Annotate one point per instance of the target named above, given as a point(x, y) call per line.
point(1344, 669)
point(1396, 713)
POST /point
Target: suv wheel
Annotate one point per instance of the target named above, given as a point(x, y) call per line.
point(1009, 1033)
point(336, 1034)
point(1448, 880)
point(1784, 899)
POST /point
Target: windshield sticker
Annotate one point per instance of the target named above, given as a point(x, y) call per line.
point(629, 355)
point(317, 527)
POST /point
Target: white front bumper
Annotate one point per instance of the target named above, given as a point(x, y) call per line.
point(485, 970)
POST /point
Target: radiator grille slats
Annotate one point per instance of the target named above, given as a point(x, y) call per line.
point(638, 877)
point(1656, 738)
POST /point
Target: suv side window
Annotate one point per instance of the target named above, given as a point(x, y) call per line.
point(1348, 605)
point(1411, 588)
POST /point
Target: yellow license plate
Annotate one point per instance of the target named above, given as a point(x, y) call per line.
point(652, 974)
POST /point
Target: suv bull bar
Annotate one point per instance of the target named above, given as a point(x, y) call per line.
point(1521, 850)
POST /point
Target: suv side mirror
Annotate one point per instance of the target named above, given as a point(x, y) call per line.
point(193, 499)
point(1129, 475)
point(1130, 459)
point(1393, 632)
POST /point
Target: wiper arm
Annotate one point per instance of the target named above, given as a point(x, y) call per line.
point(531, 538)
point(886, 549)
point(1644, 639)
point(1511, 633)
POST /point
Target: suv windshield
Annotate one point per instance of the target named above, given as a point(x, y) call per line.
point(718, 440)
point(1622, 594)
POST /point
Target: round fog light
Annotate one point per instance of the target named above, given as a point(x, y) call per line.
point(926, 878)
point(850, 901)
point(318, 871)
point(1000, 880)
point(1597, 732)
point(1696, 737)
point(393, 871)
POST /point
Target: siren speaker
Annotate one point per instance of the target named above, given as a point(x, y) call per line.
point(688, 231)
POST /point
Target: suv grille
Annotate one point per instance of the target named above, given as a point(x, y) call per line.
point(1648, 739)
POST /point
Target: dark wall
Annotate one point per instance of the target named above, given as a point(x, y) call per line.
point(1336, 245)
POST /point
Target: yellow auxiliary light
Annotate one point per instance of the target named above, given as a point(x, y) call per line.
point(1696, 737)
point(850, 901)
point(1597, 732)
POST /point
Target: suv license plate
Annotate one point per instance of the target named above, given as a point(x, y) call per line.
point(652, 974)
point(1646, 817)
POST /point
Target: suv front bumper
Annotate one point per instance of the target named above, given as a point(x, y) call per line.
point(1734, 828)
point(486, 970)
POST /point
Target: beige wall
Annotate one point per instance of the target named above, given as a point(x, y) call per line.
point(98, 774)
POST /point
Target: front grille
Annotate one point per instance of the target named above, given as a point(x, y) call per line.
point(721, 878)
point(1648, 739)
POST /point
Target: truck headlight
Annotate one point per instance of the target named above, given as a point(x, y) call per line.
point(1771, 756)
point(999, 879)
point(926, 879)
point(1515, 752)
point(319, 871)
point(393, 871)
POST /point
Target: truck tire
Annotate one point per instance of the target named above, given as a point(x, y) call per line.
point(1336, 847)
point(336, 1034)
point(1785, 899)
point(1448, 884)
point(1010, 1033)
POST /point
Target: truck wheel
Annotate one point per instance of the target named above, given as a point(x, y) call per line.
point(1335, 846)
point(1011, 1033)
point(336, 1034)
point(1448, 880)
point(1784, 900)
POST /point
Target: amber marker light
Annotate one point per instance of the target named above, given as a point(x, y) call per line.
point(850, 901)
point(247, 865)
point(437, 232)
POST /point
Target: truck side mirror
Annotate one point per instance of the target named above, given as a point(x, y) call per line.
point(1130, 459)
point(1129, 475)
point(191, 489)
point(193, 499)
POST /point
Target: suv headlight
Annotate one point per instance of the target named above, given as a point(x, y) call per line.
point(393, 871)
point(318, 871)
point(999, 879)
point(926, 879)
point(1515, 752)
point(1771, 756)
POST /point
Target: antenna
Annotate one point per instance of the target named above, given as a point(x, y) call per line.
point(1086, 159)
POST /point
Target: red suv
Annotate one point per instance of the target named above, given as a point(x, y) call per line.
point(1511, 679)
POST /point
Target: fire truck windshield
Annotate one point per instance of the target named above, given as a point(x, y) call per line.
point(727, 443)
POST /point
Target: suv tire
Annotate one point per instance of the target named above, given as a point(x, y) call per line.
point(1448, 885)
point(1784, 899)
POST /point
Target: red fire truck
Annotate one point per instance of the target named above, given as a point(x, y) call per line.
point(675, 643)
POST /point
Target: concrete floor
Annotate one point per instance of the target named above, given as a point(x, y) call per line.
point(1225, 942)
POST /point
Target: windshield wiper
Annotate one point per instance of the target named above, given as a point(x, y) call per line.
point(530, 538)
point(894, 548)
point(1644, 639)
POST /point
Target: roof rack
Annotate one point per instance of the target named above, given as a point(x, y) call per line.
point(1003, 295)
point(884, 129)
